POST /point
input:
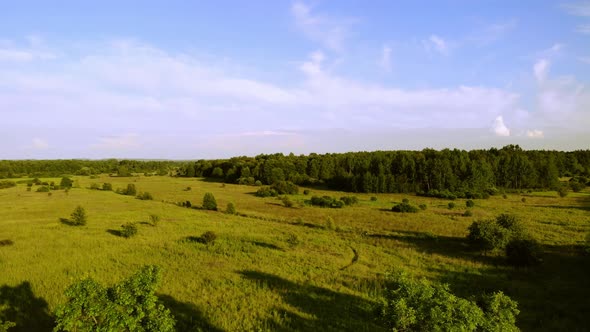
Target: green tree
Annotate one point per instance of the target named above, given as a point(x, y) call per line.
point(4, 326)
point(209, 202)
point(107, 187)
point(131, 191)
point(128, 306)
point(231, 208)
point(66, 182)
point(79, 216)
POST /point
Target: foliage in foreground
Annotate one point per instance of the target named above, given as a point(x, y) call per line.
point(128, 306)
point(420, 305)
point(5, 326)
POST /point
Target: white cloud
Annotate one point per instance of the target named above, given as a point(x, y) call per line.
point(493, 32)
point(40, 144)
point(581, 8)
point(585, 59)
point(114, 143)
point(439, 44)
point(541, 68)
point(499, 128)
point(535, 133)
point(329, 31)
point(385, 59)
point(314, 65)
point(15, 55)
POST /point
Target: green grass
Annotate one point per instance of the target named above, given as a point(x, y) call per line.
point(252, 278)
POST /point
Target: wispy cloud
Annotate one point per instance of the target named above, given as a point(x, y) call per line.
point(331, 32)
point(582, 9)
point(492, 32)
point(583, 28)
point(438, 44)
point(115, 143)
point(535, 133)
point(385, 60)
point(540, 69)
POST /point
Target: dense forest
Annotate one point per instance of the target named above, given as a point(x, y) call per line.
point(427, 172)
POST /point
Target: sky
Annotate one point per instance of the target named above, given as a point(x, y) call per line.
point(216, 79)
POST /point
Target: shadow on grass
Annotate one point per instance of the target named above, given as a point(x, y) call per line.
point(266, 245)
point(67, 222)
point(456, 247)
point(552, 296)
point(115, 232)
point(307, 224)
point(188, 317)
point(324, 309)
point(18, 304)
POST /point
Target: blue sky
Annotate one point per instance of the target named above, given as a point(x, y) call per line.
point(210, 79)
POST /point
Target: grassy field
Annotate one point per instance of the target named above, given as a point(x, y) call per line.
point(278, 268)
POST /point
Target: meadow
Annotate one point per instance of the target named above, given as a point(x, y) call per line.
point(277, 268)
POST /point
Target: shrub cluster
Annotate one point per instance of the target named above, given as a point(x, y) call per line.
point(208, 237)
point(446, 194)
point(404, 207)
point(419, 305)
point(326, 202)
point(145, 196)
point(285, 188)
point(78, 217)
point(209, 202)
point(128, 230)
point(130, 190)
point(7, 184)
point(266, 192)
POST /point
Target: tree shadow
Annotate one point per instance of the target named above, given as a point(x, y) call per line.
point(330, 310)
point(266, 245)
point(188, 317)
point(19, 304)
point(552, 296)
point(456, 247)
point(67, 222)
point(115, 232)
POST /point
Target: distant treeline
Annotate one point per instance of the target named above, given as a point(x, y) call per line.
point(426, 171)
point(54, 168)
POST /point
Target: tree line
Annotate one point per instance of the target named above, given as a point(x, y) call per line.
point(425, 171)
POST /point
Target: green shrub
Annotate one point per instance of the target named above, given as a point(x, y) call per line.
point(469, 203)
point(128, 230)
point(7, 184)
point(523, 200)
point(523, 252)
point(404, 208)
point(422, 206)
point(419, 305)
point(209, 202)
point(293, 240)
point(373, 199)
point(467, 213)
point(562, 191)
point(266, 192)
point(287, 201)
point(258, 183)
point(488, 235)
point(66, 182)
point(208, 237)
point(330, 223)
point(94, 186)
point(231, 208)
point(5, 326)
point(325, 201)
point(43, 189)
point(154, 219)
point(285, 188)
point(349, 200)
point(130, 305)
point(306, 192)
point(451, 205)
point(78, 217)
point(145, 196)
point(405, 200)
point(107, 186)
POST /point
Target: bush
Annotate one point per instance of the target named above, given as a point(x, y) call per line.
point(5, 326)
point(419, 305)
point(154, 219)
point(326, 201)
point(504, 196)
point(208, 237)
point(451, 205)
point(306, 192)
point(562, 191)
point(128, 230)
point(107, 187)
point(7, 242)
point(231, 208)
point(66, 182)
point(404, 208)
point(523, 200)
point(7, 184)
point(469, 203)
point(43, 189)
point(131, 191)
point(422, 206)
point(209, 202)
point(258, 183)
point(130, 305)
point(467, 213)
point(94, 186)
point(523, 252)
point(349, 200)
point(266, 192)
point(293, 240)
point(373, 199)
point(285, 188)
point(405, 200)
point(487, 235)
point(78, 217)
point(577, 186)
point(287, 201)
point(330, 224)
point(145, 196)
